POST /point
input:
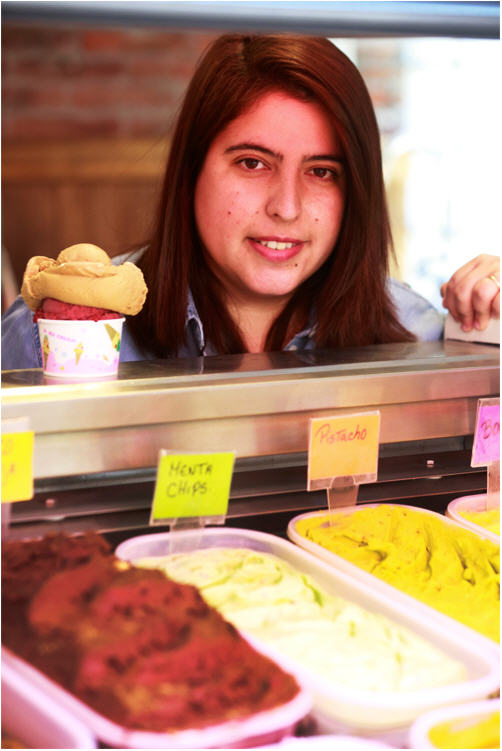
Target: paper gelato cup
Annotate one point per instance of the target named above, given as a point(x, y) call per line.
point(80, 349)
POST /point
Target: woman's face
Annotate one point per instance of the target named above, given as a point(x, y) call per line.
point(269, 199)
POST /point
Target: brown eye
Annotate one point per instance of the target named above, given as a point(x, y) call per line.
point(250, 163)
point(323, 173)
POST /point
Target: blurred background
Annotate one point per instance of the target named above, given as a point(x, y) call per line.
point(87, 110)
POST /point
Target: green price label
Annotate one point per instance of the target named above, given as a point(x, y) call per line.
point(192, 485)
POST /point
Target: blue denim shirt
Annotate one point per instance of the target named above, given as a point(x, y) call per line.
point(21, 344)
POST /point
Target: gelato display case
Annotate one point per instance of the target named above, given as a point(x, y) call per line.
point(97, 442)
point(96, 449)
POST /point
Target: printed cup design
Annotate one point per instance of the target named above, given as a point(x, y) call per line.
point(82, 349)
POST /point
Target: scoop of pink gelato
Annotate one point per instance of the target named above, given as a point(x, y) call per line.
point(64, 311)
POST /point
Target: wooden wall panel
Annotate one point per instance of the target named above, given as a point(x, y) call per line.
point(54, 195)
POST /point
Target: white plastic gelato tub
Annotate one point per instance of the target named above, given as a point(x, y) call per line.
point(461, 717)
point(326, 743)
point(476, 503)
point(35, 717)
point(337, 708)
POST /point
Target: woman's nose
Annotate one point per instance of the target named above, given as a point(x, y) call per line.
point(284, 200)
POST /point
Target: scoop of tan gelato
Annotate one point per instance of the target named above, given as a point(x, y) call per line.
point(83, 274)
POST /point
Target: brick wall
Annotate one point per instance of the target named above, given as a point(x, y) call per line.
point(60, 83)
point(380, 64)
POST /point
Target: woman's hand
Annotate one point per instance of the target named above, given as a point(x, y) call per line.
point(472, 295)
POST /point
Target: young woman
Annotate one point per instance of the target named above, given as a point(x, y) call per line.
point(272, 230)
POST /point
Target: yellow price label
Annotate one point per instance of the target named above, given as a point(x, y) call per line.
point(17, 466)
point(343, 446)
point(192, 485)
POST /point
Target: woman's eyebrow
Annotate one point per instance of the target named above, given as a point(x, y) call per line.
point(253, 147)
point(324, 158)
point(276, 155)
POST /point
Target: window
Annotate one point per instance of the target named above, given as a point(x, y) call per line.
point(438, 105)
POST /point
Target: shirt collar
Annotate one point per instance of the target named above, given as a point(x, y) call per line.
point(192, 320)
point(299, 341)
point(303, 340)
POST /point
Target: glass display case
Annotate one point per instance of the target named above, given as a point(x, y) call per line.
point(97, 443)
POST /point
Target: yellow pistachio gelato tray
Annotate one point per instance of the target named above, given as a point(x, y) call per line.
point(447, 571)
point(473, 725)
point(347, 641)
point(470, 511)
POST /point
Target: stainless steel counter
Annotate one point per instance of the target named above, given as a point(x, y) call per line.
point(256, 405)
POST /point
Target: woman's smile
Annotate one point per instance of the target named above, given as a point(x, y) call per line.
point(277, 250)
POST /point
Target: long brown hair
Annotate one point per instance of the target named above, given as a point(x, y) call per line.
point(352, 307)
